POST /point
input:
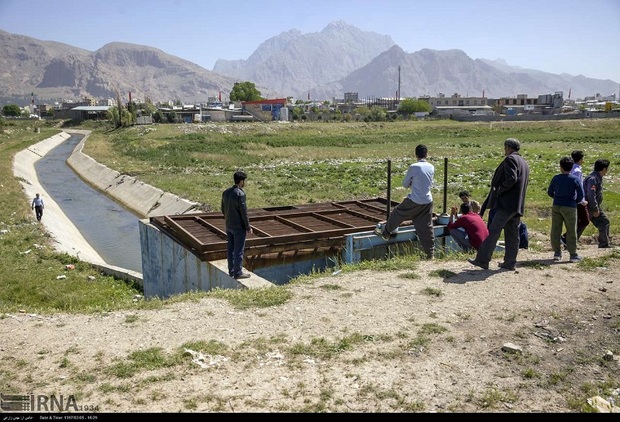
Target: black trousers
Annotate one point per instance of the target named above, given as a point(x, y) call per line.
point(38, 211)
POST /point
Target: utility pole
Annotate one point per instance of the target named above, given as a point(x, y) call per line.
point(398, 98)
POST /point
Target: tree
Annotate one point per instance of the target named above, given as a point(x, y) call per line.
point(112, 114)
point(148, 107)
point(127, 118)
point(245, 91)
point(132, 110)
point(409, 106)
point(362, 113)
point(118, 116)
point(11, 110)
point(297, 113)
point(377, 113)
point(159, 117)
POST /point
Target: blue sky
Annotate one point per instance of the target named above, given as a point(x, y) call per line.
point(571, 36)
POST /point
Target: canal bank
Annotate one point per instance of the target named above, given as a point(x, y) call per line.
point(143, 200)
point(58, 221)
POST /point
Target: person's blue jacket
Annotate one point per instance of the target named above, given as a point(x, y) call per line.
point(565, 190)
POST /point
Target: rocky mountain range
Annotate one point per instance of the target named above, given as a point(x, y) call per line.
point(324, 65)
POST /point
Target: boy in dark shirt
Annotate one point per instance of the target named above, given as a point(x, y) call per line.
point(237, 223)
point(566, 191)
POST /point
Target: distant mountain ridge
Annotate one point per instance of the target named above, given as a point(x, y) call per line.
point(56, 70)
point(324, 65)
point(294, 63)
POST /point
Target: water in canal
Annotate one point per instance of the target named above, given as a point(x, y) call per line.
point(107, 226)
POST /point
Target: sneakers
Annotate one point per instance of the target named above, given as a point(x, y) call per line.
point(557, 256)
point(242, 275)
point(379, 231)
point(478, 264)
point(575, 258)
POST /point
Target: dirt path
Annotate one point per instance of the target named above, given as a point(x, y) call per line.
point(433, 339)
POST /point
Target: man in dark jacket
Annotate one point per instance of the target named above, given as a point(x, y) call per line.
point(507, 197)
point(237, 225)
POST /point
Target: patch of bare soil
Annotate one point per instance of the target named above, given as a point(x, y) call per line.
point(442, 337)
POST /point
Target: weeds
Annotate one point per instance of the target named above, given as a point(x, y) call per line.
point(431, 291)
point(326, 162)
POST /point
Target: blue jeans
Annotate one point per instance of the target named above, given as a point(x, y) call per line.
point(234, 250)
point(462, 239)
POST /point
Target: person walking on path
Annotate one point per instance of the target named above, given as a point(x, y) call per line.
point(37, 206)
point(583, 217)
point(417, 206)
point(567, 192)
point(593, 189)
point(507, 197)
point(469, 230)
point(237, 224)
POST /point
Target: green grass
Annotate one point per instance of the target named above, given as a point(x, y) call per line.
point(290, 164)
point(287, 164)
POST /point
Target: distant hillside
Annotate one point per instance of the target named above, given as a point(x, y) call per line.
point(55, 70)
point(430, 72)
point(294, 63)
point(341, 58)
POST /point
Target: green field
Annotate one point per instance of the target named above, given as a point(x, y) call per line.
point(290, 164)
point(287, 164)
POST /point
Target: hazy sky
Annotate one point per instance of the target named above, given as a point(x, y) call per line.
point(569, 36)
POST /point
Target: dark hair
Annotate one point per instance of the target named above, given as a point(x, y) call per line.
point(566, 163)
point(577, 155)
point(239, 176)
point(513, 143)
point(421, 151)
point(601, 164)
point(465, 207)
point(463, 193)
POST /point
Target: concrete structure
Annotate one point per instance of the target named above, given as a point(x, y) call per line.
point(140, 197)
point(169, 268)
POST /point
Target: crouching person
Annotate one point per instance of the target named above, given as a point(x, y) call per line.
point(469, 230)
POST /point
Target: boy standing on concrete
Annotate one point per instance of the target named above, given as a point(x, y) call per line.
point(235, 212)
point(417, 206)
